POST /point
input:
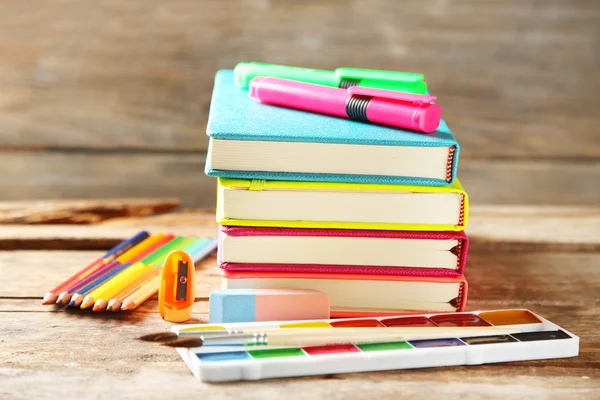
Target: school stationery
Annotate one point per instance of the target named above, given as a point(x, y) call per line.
point(177, 290)
point(143, 251)
point(115, 303)
point(249, 305)
point(414, 112)
point(126, 268)
point(539, 339)
point(52, 295)
point(244, 202)
point(132, 269)
point(198, 251)
point(251, 140)
point(327, 251)
point(353, 295)
point(341, 77)
point(101, 296)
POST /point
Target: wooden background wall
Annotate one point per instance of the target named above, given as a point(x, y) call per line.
point(110, 98)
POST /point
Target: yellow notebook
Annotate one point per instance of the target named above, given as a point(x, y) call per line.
point(242, 202)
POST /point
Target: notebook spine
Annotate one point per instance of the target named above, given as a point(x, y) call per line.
point(462, 296)
point(461, 215)
point(450, 164)
point(238, 231)
point(459, 259)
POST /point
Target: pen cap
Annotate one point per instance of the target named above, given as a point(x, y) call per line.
point(404, 110)
point(178, 287)
point(416, 117)
point(410, 82)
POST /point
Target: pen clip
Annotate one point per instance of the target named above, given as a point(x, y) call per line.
point(378, 75)
point(391, 94)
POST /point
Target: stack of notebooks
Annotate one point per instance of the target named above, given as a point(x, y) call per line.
point(371, 215)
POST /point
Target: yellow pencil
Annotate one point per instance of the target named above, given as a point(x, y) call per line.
point(112, 286)
point(115, 303)
point(142, 294)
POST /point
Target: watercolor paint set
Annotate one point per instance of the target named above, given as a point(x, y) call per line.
point(538, 339)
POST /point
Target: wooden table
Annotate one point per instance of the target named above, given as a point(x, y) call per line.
point(544, 259)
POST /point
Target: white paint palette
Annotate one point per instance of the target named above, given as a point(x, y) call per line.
point(539, 339)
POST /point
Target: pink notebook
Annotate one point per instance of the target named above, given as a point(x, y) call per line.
point(343, 251)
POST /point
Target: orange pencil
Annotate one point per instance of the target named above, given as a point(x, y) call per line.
point(149, 289)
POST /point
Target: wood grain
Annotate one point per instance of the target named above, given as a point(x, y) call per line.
point(80, 211)
point(59, 237)
point(515, 77)
point(47, 176)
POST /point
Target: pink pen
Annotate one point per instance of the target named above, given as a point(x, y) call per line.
point(386, 107)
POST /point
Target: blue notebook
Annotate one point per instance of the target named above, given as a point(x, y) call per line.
point(252, 140)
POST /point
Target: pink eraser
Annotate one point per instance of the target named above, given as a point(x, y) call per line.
point(250, 305)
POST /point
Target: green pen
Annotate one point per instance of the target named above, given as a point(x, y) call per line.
point(409, 82)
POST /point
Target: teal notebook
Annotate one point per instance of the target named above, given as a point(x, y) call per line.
point(251, 140)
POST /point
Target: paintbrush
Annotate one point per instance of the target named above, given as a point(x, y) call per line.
point(320, 336)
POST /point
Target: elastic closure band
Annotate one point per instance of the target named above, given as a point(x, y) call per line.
point(256, 185)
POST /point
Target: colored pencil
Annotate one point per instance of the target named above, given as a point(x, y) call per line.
point(65, 296)
point(198, 250)
point(142, 294)
point(94, 279)
point(110, 287)
point(115, 303)
point(150, 288)
point(142, 250)
point(110, 255)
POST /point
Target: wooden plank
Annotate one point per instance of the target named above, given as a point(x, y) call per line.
point(50, 176)
point(513, 82)
point(534, 228)
point(507, 228)
point(97, 175)
point(80, 211)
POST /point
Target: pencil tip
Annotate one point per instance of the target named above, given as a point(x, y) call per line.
point(87, 303)
point(49, 298)
point(72, 303)
point(128, 305)
point(59, 302)
point(109, 308)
